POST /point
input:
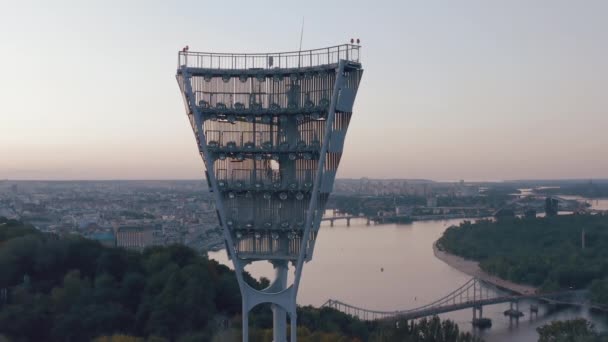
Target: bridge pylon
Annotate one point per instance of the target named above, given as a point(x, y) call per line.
point(513, 311)
point(475, 310)
point(533, 310)
point(480, 322)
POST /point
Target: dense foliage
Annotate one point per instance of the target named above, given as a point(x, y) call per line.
point(599, 291)
point(424, 330)
point(576, 330)
point(544, 252)
point(75, 289)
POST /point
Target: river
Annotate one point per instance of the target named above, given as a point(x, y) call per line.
point(596, 203)
point(392, 267)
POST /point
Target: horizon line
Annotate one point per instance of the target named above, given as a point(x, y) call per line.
point(341, 178)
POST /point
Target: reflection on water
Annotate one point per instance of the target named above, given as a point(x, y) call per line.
point(391, 267)
point(348, 262)
point(596, 203)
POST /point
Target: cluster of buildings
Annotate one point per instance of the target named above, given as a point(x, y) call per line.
point(405, 187)
point(138, 214)
point(131, 214)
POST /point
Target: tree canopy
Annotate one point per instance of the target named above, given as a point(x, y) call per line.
point(576, 330)
point(75, 289)
point(546, 252)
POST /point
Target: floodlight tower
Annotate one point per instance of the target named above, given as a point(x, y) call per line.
point(270, 129)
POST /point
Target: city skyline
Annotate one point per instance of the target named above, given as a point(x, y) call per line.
point(482, 91)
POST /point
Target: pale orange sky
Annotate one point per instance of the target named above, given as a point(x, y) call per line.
point(476, 90)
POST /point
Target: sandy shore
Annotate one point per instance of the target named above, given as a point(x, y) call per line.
point(472, 268)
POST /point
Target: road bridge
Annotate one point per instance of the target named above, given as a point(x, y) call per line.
point(345, 217)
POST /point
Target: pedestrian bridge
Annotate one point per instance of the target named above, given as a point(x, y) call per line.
point(473, 294)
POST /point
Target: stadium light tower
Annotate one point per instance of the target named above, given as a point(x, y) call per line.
point(270, 129)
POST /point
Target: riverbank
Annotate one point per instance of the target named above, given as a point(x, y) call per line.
point(472, 268)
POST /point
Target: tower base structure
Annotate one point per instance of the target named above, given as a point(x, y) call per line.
point(282, 300)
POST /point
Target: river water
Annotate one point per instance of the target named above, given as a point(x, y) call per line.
point(392, 267)
point(596, 203)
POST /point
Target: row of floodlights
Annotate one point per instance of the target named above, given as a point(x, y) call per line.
point(291, 235)
point(262, 156)
point(286, 224)
point(283, 196)
point(274, 107)
point(277, 77)
point(259, 186)
point(266, 145)
point(265, 119)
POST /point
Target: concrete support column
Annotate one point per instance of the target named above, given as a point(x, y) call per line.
point(279, 321)
point(245, 323)
point(294, 326)
point(279, 316)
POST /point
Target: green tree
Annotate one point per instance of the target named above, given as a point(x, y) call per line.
point(544, 252)
point(84, 291)
point(599, 291)
point(576, 330)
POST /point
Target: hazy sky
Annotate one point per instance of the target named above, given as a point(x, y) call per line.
point(472, 90)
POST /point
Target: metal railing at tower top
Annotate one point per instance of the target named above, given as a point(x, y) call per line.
point(283, 60)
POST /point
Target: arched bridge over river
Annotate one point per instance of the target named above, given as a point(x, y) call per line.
point(473, 294)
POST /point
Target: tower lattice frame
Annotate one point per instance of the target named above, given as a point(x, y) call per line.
point(270, 129)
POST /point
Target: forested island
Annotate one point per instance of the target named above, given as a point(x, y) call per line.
point(73, 289)
point(559, 252)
